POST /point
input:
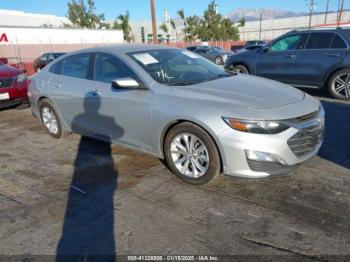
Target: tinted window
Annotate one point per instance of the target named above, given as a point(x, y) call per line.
point(290, 42)
point(338, 42)
point(76, 65)
point(191, 48)
point(56, 68)
point(43, 57)
point(108, 67)
point(319, 41)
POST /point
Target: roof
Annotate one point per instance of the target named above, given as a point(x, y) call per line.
point(126, 48)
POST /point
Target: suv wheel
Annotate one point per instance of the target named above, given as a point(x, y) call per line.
point(50, 119)
point(191, 154)
point(339, 84)
point(240, 69)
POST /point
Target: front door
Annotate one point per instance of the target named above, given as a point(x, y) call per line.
point(122, 115)
point(278, 62)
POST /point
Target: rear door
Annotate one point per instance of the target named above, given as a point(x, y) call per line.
point(68, 87)
point(323, 51)
point(278, 62)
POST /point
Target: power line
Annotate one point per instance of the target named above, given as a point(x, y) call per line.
point(326, 13)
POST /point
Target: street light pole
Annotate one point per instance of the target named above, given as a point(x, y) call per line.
point(312, 6)
point(326, 14)
point(154, 22)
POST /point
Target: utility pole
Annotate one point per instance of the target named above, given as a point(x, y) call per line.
point(326, 14)
point(312, 6)
point(260, 18)
point(340, 11)
point(154, 22)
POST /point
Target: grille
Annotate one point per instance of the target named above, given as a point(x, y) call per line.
point(6, 82)
point(306, 140)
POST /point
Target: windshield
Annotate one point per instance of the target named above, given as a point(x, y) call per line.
point(178, 67)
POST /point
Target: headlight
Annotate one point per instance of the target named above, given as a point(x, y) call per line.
point(257, 127)
point(21, 78)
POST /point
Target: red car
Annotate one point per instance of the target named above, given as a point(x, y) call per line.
point(13, 85)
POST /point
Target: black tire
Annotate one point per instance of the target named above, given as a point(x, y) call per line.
point(240, 69)
point(214, 164)
point(46, 104)
point(332, 84)
point(219, 60)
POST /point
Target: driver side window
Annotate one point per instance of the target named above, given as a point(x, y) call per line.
point(287, 43)
point(108, 68)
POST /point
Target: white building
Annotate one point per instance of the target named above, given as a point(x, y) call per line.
point(19, 18)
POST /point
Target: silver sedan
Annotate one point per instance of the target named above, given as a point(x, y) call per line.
point(176, 105)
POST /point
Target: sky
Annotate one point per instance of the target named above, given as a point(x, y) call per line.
point(140, 9)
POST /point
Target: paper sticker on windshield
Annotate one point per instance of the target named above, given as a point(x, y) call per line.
point(190, 54)
point(146, 59)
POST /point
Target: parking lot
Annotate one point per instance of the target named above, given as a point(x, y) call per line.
point(125, 202)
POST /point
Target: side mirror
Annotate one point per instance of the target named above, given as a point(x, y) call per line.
point(264, 49)
point(4, 60)
point(127, 83)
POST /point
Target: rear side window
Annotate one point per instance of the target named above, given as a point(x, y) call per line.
point(76, 65)
point(56, 68)
point(338, 43)
point(319, 41)
point(108, 68)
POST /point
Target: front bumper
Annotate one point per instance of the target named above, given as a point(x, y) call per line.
point(13, 102)
point(235, 145)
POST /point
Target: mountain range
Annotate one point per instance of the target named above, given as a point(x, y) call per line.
point(251, 14)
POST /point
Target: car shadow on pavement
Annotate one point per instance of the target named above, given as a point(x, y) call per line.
point(88, 227)
point(336, 145)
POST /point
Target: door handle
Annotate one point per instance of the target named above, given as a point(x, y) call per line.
point(57, 85)
point(332, 55)
point(290, 56)
point(93, 92)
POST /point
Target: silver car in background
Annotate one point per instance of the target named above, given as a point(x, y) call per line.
point(176, 105)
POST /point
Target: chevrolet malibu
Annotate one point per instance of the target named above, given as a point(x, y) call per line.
point(178, 106)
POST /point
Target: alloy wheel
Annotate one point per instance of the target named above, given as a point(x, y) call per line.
point(49, 120)
point(189, 155)
point(341, 85)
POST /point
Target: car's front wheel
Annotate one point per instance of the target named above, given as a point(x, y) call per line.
point(219, 60)
point(191, 154)
point(50, 119)
point(339, 84)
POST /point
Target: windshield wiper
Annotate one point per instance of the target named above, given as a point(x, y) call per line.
point(183, 83)
point(217, 77)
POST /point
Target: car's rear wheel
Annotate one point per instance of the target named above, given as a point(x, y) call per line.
point(50, 119)
point(191, 154)
point(339, 84)
point(219, 60)
point(240, 69)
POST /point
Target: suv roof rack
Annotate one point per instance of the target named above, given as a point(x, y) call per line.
point(319, 28)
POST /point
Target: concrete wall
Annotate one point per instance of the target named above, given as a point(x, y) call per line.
point(275, 27)
point(28, 43)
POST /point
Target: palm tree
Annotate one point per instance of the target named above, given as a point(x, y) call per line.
point(122, 22)
point(241, 22)
point(164, 28)
point(181, 14)
point(173, 24)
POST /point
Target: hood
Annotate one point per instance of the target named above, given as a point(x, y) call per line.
point(8, 71)
point(242, 91)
